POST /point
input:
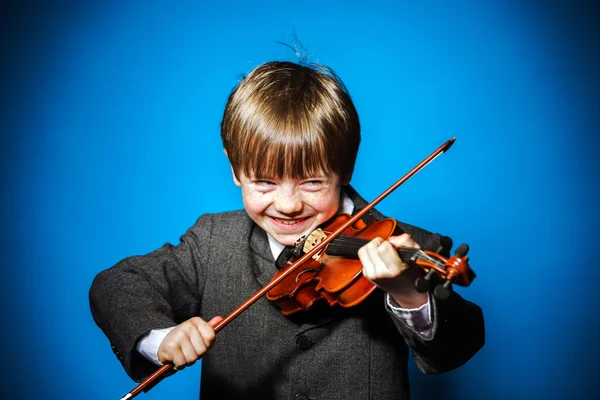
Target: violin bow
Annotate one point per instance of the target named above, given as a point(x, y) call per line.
point(160, 373)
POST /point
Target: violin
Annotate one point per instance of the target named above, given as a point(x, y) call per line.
point(325, 266)
point(335, 274)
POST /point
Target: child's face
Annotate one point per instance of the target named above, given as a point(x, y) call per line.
point(289, 208)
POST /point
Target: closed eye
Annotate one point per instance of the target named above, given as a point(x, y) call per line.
point(313, 184)
point(263, 185)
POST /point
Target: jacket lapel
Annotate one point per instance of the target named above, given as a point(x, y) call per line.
point(263, 267)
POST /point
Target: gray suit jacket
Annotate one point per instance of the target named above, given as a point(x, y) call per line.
point(325, 353)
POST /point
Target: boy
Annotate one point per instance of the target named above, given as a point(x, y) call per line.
point(291, 134)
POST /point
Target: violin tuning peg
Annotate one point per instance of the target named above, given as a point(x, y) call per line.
point(442, 292)
point(423, 283)
point(462, 250)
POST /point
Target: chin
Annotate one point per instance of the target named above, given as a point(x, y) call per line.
point(286, 241)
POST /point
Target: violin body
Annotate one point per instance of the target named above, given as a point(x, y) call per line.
point(335, 273)
point(334, 278)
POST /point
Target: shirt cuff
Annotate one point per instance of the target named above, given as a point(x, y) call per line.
point(419, 319)
point(149, 344)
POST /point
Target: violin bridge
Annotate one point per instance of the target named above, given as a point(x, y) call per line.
point(315, 237)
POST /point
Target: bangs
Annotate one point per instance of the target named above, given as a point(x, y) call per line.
point(289, 154)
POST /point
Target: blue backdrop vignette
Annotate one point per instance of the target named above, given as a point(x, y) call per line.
point(110, 147)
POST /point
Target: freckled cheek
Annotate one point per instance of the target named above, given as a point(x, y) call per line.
point(257, 202)
point(321, 204)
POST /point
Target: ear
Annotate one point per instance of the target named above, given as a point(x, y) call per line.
point(235, 178)
point(345, 181)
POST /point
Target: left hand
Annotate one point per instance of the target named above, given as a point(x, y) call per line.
point(382, 266)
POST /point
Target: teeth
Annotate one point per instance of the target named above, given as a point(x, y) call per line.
point(287, 221)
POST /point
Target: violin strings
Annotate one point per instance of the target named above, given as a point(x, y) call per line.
point(348, 242)
point(349, 239)
point(426, 257)
point(421, 255)
point(344, 244)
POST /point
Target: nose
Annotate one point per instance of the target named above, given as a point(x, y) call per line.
point(288, 201)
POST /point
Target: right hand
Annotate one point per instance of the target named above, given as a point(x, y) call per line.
point(188, 342)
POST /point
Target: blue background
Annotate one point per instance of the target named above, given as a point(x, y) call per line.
point(110, 147)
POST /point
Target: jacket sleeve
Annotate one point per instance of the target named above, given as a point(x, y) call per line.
point(458, 327)
point(141, 293)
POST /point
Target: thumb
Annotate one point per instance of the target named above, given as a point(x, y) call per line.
point(215, 321)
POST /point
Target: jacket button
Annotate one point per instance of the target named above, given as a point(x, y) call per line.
point(301, 397)
point(303, 342)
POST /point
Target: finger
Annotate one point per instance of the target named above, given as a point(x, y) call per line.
point(379, 249)
point(391, 263)
point(367, 254)
point(178, 358)
point(207, 334)
point(382, 257)
point(215, 321)
point(170, 349)
point(167, 350)
point(189, 352)
point(404, 240)
point(196, 335)
point(363, 256)
point(198, 343)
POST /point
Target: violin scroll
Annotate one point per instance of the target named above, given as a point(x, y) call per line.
point(452, 270)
